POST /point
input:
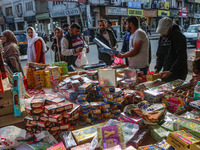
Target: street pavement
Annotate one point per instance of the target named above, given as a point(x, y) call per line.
point(93, 54)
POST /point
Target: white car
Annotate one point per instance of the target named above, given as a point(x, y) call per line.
point(191, 34)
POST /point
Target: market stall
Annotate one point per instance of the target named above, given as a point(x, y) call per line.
point(96, 107)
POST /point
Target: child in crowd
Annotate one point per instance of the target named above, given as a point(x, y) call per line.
point(196, 71)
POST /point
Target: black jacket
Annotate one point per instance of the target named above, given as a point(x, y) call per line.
point(103, 56)
point(172, 55)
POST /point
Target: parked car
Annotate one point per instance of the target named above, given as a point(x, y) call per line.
point(191, 34)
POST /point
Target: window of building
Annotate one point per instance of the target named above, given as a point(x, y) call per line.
point(57, 3)
point(18, 8)
point(9, 11)
point(29, 6)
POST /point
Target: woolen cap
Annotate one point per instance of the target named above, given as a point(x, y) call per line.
point(164, 25)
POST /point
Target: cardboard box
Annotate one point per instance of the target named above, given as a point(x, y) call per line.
point(6, 103)
point(11, 119)
point(181, 140)
point(190, 63)
point(195, 146)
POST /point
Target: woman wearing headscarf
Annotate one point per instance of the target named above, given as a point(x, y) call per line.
point(11, 51)
point(56, 46)
point(36, 47)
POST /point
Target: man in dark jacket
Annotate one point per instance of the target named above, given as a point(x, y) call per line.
point(108, 38)
point(171, 53)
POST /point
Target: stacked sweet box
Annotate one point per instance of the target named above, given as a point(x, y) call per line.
point(51, 113)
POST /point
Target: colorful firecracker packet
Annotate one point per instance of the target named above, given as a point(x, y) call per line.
point(195, 104)
point(86, 134)
point(111, 136)
point(181, 140)
point(58, 146)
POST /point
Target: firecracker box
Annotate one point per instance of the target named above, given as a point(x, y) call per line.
point(63, 65)
point(152, 76)
point(107, 77)
point(18, 93)
point(181, 140)
point(158, 133)
point(183, 124)
point(86, 134)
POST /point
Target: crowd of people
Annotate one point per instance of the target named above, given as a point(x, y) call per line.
point(136, 50)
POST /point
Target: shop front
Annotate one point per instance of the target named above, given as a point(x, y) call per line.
point(65, 16)
point(10, 23)
point(29, 21)
point(116, 15)
point(196, 18)
point(43, 22)
point(151, 16)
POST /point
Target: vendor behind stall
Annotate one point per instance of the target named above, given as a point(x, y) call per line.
point(171, 53)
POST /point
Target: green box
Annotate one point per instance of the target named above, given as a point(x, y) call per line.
point(168, 126)
point(158, 132)
point(63, 65)
point(183, 124)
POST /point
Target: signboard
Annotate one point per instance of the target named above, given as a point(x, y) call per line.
point(197, 1)
point(29, 18)
point(184, 14)
point(184, 9)
point(150, 13)
point(135, 12)
point(76, 1)
point(10, 20)
point(132, 4)
point(174, 13)
point(196, 15)
point(68, 12)
point(163, 13)
point(117, 11)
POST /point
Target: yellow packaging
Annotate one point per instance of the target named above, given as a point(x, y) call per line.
point(152, 77)
point(86, 134)
point(181, 140)
point(47, 79)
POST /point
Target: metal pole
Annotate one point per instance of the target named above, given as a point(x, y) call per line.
point(81, 15)
point(182, 12)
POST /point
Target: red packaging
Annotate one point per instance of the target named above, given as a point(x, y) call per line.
point(52, 99)
point(37, 102)
point(28, 110)
point(58, 108)
point(56, 118)
point(75, 110)
point(37, 111)
point(65, 126)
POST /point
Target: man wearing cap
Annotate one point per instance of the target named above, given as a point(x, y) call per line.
point(171, 52)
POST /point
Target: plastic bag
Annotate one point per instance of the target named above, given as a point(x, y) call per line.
point(118, 61)
point(82, 59)
point(9, 136)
